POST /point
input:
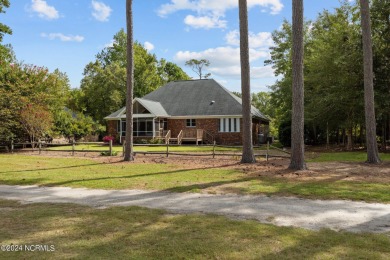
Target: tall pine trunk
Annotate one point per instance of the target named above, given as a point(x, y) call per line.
point(372, 145)
point(129, 82)
point(247, 149)
point(297, 125)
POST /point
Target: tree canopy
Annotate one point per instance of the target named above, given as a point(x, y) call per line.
point(4, 29)
point(198, 67)
point(104, 83)
point(333, 68)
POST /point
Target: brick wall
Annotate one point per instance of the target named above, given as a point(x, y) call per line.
point(210, 125)
point(112, 129)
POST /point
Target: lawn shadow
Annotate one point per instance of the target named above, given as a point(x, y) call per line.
point(81, 232)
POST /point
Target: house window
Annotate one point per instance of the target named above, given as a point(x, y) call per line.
point(229, 125)
point(191, 123)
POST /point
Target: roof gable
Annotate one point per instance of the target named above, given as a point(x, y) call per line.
point(204, 97)
point(195, 97)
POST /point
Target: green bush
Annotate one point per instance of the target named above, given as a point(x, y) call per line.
point(285, 133)
point(141, 141)
point(107, 153)
point(156, 141)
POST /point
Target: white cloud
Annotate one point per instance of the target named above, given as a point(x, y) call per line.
point(210, 13)
point(225, 61)
point(259, 40)
point(44, 10)
point(101, 11)
point(262, 72)
point(110, 44)
point(216, 6)
point(235, 72)
point(205, 22)
point(62, 37)
point(149, 46)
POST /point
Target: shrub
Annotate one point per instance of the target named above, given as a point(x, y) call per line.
point(285, 133)
point(141, 141)
point(107, 153)
point(156, 141)
point(107, 138)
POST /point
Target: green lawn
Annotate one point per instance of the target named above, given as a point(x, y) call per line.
point(79, 232)
point(155, 148)
point(77, 172)
point(146, 148)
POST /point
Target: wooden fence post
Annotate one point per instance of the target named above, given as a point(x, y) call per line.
point(12, 145)
point(73, 147)
point(39, 147)
point(213, 149)
point(110, 149)
point(167, 149)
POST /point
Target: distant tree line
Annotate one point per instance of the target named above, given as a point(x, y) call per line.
point(36, 103)
point(333, 69)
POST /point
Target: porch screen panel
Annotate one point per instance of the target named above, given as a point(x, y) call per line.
point(143, 127)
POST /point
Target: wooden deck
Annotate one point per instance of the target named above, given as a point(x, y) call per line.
point(186, 135)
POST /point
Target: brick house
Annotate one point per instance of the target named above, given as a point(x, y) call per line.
point(200, 111)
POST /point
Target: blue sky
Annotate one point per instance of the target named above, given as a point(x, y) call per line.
point(67, 34)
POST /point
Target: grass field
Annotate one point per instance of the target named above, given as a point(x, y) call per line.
point(79, 232)
point(146, 148)
point(78, 172)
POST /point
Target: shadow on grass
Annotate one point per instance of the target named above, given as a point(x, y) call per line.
point(131, 232)
point(58, 168)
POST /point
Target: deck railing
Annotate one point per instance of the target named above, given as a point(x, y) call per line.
point(208, 137)
point(167, 137)
point(180, 137)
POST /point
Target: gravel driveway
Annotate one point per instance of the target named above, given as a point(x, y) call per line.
point(281, 211)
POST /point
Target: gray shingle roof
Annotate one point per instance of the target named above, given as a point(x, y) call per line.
point(189, 98)
point(194, 98)
point(116, 114)
point(153, 107)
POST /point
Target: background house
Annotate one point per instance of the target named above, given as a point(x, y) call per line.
point(194, 110)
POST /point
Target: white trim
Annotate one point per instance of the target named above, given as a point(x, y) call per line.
point(204, 117)
point(140, 116)
point(226, 125)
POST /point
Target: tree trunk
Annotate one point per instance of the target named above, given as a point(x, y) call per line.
point(384, 135)
point(372, 145)
point(247, 149)
point(129, 83)
point(349, 139)
point(297, 125)
point(327, 135)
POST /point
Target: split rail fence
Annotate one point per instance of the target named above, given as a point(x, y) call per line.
point(267, 151)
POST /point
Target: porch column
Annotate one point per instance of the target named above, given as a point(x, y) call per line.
point(154, 127)
point(120, 130)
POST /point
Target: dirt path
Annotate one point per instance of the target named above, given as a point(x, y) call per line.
point(309, 214)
